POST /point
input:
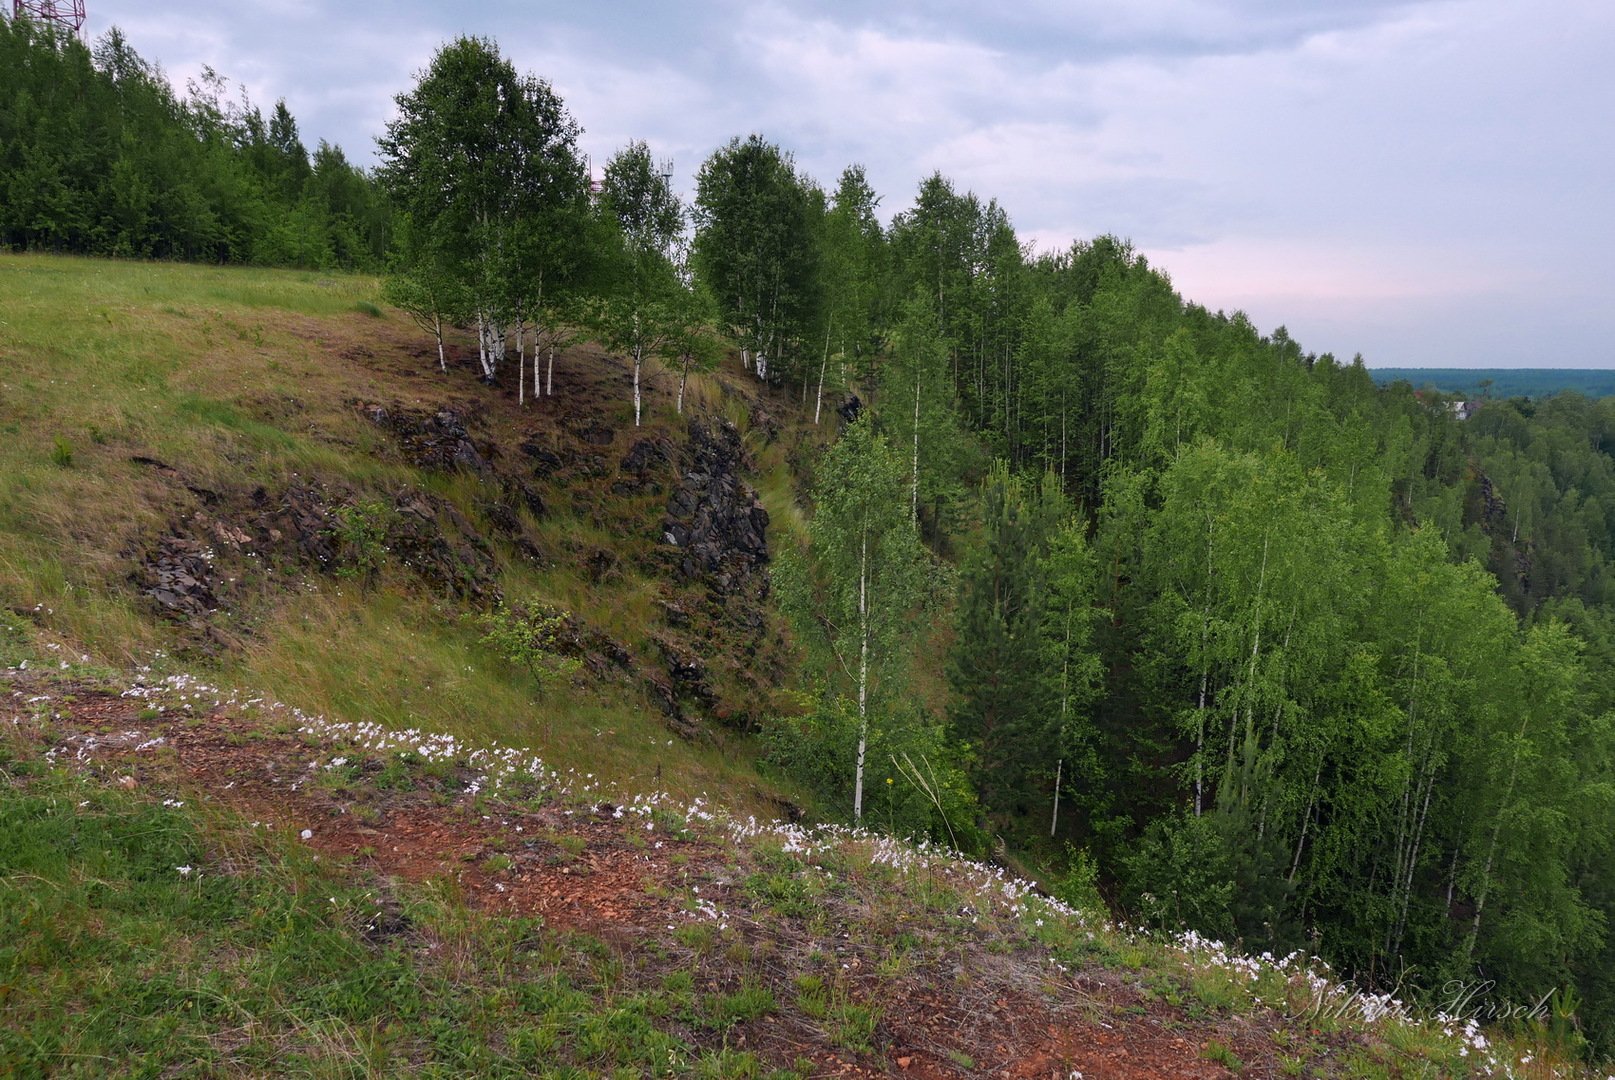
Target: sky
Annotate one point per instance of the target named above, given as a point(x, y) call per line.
point(1429, 183)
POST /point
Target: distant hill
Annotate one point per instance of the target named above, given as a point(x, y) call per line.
point(1503, 382)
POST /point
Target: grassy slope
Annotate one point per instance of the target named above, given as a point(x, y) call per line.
point(237, 378)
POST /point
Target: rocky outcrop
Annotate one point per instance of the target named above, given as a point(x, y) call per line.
point(646, 469)
point(204, 570)
point(716, 532)
point(296, 526)
point(714, 517)
point(546, 462)
point(431, 537)
point(436, 440)
point(178, 577)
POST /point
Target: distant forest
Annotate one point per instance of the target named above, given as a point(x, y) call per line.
point(1473, 383)
point(1277, 654)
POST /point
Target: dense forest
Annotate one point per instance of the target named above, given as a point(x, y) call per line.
point(1093, 576)
point(98, 155)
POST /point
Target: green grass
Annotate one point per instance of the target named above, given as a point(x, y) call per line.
point(144, 939)
point(1221, 1053)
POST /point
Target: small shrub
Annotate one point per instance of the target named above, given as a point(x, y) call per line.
point(1079, 885)
point(361, 531)
point(61, 453)
point(365, 307)
point(530, 638)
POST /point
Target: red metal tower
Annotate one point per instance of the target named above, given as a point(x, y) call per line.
point(67, 14)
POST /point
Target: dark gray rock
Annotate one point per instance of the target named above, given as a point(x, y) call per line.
point(713, 516)
point(438, 440)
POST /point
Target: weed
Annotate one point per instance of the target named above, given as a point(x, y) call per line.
point(1223, 1054)
point(750, 1002)
point(61, 453)
point(788, 894)
point(847, 1023)
point(1218, 990)
point(698, 937)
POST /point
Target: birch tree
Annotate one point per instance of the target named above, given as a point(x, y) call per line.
point(755, 251)
point(642, 313)
point(857, 588)
point(855, 267)
point(484, 163)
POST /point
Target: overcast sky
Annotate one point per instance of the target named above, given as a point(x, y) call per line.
point(1427, 183)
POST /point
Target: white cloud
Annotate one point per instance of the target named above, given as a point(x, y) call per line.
point(1339, 168)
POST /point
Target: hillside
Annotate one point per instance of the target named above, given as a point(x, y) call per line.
point(262, 475)
point(259, 480)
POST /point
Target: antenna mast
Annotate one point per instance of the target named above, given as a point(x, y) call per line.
point(66, 14)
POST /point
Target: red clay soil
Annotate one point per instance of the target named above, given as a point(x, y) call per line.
point(585, 870)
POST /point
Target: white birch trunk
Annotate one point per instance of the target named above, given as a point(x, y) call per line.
point(863, 678)
point(1054, 821)
point(521, 361)
point(637, 396)
point(914, 493)
point(482, 342)
point(818, 402)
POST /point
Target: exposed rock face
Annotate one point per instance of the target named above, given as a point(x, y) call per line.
point(546, 462)
point(430, 440)
point(717, 532)
point(713, 516)
point(455, 558)
point(246, 534)
point(851, 409)
point(212, 561)
point(179, 577)
point(296, 525)
point(644, 468)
